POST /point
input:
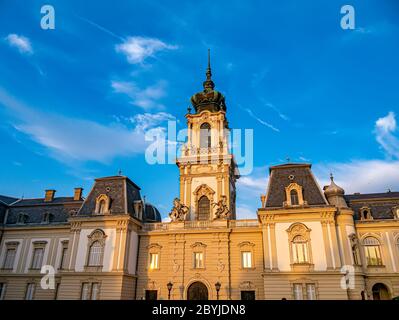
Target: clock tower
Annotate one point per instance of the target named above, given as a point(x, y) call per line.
point(208, 171)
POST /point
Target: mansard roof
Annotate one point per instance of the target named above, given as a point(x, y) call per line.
point(121, 191)
point(381, 205)
point(281, 176)
point(60, 209)
point(7, 200)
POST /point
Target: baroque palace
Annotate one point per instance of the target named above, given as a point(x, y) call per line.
point(306, 243)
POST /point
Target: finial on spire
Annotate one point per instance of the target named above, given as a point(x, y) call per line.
point(331, 176)
point(208, 70)
point(208, 83)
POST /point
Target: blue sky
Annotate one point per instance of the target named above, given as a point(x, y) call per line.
point(75, 101)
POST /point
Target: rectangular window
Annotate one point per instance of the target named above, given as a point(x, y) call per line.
point(85, 291)
point(2, 290)
point(246, 257)
point(63, 257)
point(30, 291)
point(248, 295)
point(311, 291)
point(57, 289)
point(151, 294)
point(198, 260)
point(298, 294)
point(90, 291)
point(9, 259)
point(373, 255)
point(154, 261)
point(95, 290)
point(300, 251)
point(37, 259)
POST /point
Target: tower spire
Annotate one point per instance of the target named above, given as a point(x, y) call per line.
point(208, 83)
point(208, 70)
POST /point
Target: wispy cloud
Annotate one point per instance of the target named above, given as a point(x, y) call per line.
point(72, 140)
point(137, 49)
point(145, 98)
point(385, 129)
point(365, 176)
point(266, 124)
point(22, 43)
point(99, 27)
point(274, 108)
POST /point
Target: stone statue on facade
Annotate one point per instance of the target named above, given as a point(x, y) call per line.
point(179, 211)
point(222, 210)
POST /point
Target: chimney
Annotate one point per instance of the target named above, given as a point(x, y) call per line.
point(78, 194)
point(49, 195)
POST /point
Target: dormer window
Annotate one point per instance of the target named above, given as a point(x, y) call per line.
point(22, 218)
point(365, 213)
point(294, 195)
point(47, 217)
point(102, 204)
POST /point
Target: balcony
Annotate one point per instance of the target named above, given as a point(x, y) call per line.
point(201, 224)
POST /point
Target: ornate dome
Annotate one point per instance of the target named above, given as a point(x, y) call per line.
point(151, 214)
point(208, 99)
point(333, 189)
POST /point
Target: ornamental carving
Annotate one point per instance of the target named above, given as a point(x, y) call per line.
point(179, 211)
point(220, 266)
point(222, 210)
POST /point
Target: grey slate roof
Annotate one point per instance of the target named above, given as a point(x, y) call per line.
point(7, 200)
point(279, 179)
point(381, 204)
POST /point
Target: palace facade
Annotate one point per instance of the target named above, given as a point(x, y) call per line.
point(307, 242)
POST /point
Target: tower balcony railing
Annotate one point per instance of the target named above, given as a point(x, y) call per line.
point(201, 224)
point(193, 151)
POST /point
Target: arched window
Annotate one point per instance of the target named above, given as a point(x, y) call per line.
point(95, 248)
point(300, 250)
point(205, 135)
point(101, 207)
point(204, 207)
point(96, 254)
point(373, 251)
point(294, 197)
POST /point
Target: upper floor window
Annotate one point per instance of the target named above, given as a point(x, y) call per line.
point(37, 258)
point(64, 252)
point(47, 217)
point(304, 291)
point(96, 246)
point(300, 250)
point(246, 257)
point(205, 135)
point(9, 258)
point(95, 254)
point(154, 261)
point(298, 291)
point(294, 197)
point(198, 260)
point(373, 251)
point(204, 207)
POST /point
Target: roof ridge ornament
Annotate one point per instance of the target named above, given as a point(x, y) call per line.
point(208, 83)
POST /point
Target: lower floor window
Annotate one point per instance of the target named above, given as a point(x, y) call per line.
point(308, 288)
point(90, 290)
point(151, 294)
point(30, 291)
point(2, 290)
point(248, 295)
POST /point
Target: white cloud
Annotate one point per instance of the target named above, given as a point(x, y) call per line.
point(245, 212)
point(266, 124)
point(146, 98)
point(364, 176)
point(137, 49)
point(70, 139)
point(20, 42)
point(384, 130)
